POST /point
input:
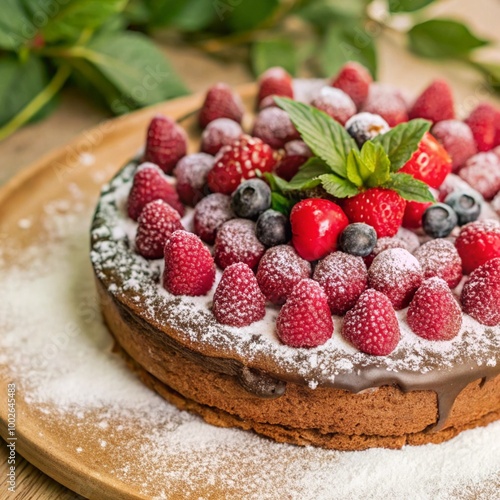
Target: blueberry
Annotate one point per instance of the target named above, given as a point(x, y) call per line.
point(365, 126)
point(273, 228)
point(439, 220)
point(358, 239)
point(251, 198)
point(467, 205)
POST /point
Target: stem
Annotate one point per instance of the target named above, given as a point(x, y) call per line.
point(37, 103)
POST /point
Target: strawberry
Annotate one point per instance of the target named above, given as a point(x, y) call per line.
point(372, 325)
point(241, 160)
point(218, 133)
point(435, 103)
point(482, 172)
point(482, 121)
point(220, 102)
point(158, 220)
point(387, 102)
point(380, 208)
point(477, 243)
point(280, 269)
point(412, 218)
point(166, 143)
point(238, 300)
point(275, 82)
point(481, 294)
point(189, 266)
point(434, 314)
point(354, 79)
point(305, 319)
point(151, 184)
point(191, 174)
point(274, 127)
point(343, 277)
point(336, 103)
point(210, 213)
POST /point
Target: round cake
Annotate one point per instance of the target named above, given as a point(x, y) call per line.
point(245, 285)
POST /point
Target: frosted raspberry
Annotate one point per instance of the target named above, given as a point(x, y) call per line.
point(388, 102)
point(435, 103)
point(336, 103)
point(219, 133)
point(274, 127)
point(482, 172)
point(296, 154)
point(409, 237)
point(275, 82)
point(210, 213)
point(354, 79)
point(221, 102)
point(384, 244)
point(191, 173)
point(482, 122)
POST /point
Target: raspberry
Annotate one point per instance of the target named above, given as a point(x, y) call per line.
point(268, 102)
point(296, 154)
point(482, 122)
point(439, 258)
point(397, 274)
point(343, 277)
point(434, 314)
point(275, 82)
point(274, 127)
point(191, 173)
point(336, 103)
point(240, 160)
point(477, 243)
point(210, 213)
point(158, 220)
point(482, 172)
point(414, 210)
point(481, 294)
point(305, 319)
point(372, 325)
point(280, 269)
point(456, 137)
point(238, 300)
point(236, 242)
point(189, 266)
point(297, 148)
point(384, 244)
point(166, 143)
point(387, 102)
point(151, 184)
point(354, 79)
point(409, 238)
point(219, 133)
point(435, 103)
point(220, 102)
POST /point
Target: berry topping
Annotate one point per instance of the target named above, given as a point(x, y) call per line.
point(434, 313)
point(305, 320)
point(358, 239)
point(439, 220)
point(221, 102)
point(477, 243)
point(189, 266)
point(210, 213)
point(158, 220)
point(166, 143)
point(439, 258)
point(365, 126)
point(397, 274)
point(343, 277)
point(372, 325)
point(218, 133)
point(238, 300)
point(238, 161)
point(481, 294)
point(435, 103)
point(296, 154)
point(410, 239)
point(275, 82)
point(251, 198)
point(151, 184)
point(191, 173)
point(354, 79)
point(384, 244)
point(336, 103)
point(414, 211)
point(280, 269)
point(273, 228)
point(236, 242)
point(482, 172)
point(274, 127)
point(387, 102)
point(482, 122)
point(316, 226)
point(466, 204)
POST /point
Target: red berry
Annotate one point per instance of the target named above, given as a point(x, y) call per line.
point(440, 258)
point(274, 127)
point(383, 209)
point(354, 79)
point(434, 313)
point(191, 173)
point(189, 266)
point(372, 325)
point(158, 220)
point(482, 172)
point(150, 184)
point(219, 133)
point(275, 82)
point(343, 277)
point(430, 163)
point(166, 143)
point(221, 102)
point(280, 269)
point(435, 103)
point(414, 210)
point(305, 319)
point(316, 226)
point(481, 294)
point(335, 103)
point(238, 161)
point(387, 102)
point(296, 154)
point(210, 213)
point(384, 244)
point(238, 300)
point(397, 274)
point(477, 243)
point(482, 121)
point(268, 102)
point(236, 242)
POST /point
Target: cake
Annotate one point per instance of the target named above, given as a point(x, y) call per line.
point(266, 285)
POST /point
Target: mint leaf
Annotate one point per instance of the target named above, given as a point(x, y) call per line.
point(410, 188)
point(402, 141)
point(408, 5)
point(326, 137)
point(277, 52)
point(281, 203)
point(370, 167)
point(16, 27)
point(338, 186)
point(306, 177)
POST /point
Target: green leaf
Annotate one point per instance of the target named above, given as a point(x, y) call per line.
point(370, 168)
point(243, 15)
point(185, 15)
point(325, 136)
point(278, 52)
point(410, 188)
point(338, 186)
point(306, 177)
point(16, 27)
point(491, 72)
point(440, 38)
point(324, 13)
point(402, 141)
point(281, 203)
point(408, 5)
